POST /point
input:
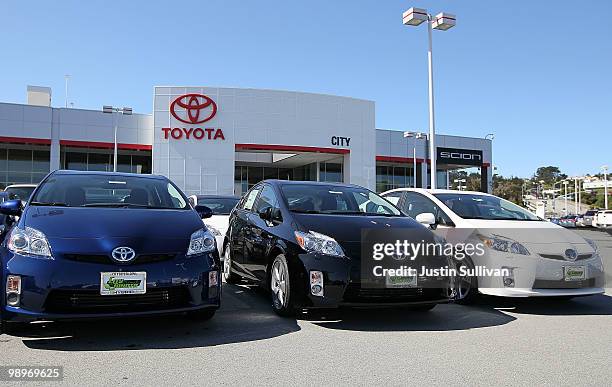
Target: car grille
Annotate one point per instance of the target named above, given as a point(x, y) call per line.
point(105, 259)
point(561, 284)
point(90, 301)
point(562, 257)
point(354, 293)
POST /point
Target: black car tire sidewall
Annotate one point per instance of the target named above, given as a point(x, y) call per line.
point(230, 278)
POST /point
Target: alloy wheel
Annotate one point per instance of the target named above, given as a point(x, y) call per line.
point(279, 283)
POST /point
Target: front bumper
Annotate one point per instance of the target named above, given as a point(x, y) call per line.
point(343, 286)
point(64, 289)
point(535, 276)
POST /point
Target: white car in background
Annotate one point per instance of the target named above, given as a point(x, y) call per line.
point(221, 206)
point(602, 219)
point(21, 191)
point(542, 258)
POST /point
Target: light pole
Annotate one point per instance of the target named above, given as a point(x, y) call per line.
point(565, 183)
point(111, 110)
point(415, 136)
point(605, 172)
point(66, 78)
point(442, 21)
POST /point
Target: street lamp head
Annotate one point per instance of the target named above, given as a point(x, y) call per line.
point(421, 135)
point(490, 136)
point(127, 110)
point(414, 16)
point(408, 134)
point(443, 21)
point(107, 109)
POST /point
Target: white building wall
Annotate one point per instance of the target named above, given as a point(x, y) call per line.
point(251, 116)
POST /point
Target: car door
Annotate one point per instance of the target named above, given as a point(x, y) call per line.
point(262, 233)
point(415, 203)
point(241, 228)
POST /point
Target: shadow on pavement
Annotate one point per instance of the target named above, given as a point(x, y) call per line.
point(442, 318)
point(244, 316)
point(599, 305)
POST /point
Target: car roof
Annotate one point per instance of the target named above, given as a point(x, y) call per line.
point(218, 197)
point(101, 173)
point(21, 186)
point(321, 183)
point(440, 191)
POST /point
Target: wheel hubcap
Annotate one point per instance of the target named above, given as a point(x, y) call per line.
point(465, 284)
point(226, 262)
point(279, 283)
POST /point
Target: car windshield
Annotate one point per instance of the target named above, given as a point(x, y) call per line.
point(89, 190)
point(219, 206)
point(21, 193)
point(334, 199)
point(471, 206)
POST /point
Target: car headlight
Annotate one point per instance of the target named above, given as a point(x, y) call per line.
point(29, 241)
point(202, 241)
point(215, 232)
point(505, 245)
point(318, 243)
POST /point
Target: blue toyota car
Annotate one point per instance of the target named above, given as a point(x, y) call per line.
point(98, 244)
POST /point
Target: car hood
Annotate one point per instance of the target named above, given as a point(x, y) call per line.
point(85, 223)
point(348, 228)
point(220, 222)
point(526, 231)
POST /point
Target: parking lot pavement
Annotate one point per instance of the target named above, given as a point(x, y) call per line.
point(501, 342)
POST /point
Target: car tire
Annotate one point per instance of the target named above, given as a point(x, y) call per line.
point(202, 314)
point(280, 287)
point(230, 278)
point(467, 294)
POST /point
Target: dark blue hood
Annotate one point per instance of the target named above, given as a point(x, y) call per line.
point(99, 230)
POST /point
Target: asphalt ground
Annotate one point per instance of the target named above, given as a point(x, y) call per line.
point(496, 342)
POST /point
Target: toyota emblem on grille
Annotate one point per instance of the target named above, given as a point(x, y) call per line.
point(571, 254)
point(123, 254)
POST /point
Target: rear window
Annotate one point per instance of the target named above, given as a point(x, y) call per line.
point(83, 190)
point(590, 213)
point(219, 206)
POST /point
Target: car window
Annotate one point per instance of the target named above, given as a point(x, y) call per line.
point(416, 204)
point(267, 198)
point(474, 206)
point(249, 201)
point(333, 199)
point(393, 197)
point(90, 190)
point(219, 206)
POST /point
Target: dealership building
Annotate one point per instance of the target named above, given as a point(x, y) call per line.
point(213, 140)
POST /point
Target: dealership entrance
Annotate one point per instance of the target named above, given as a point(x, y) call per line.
point(254, 164)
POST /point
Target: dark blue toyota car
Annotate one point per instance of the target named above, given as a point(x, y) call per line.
point(97, 244)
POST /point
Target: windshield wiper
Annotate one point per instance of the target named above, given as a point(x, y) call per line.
point(306, 211)
point(117, 205)
point(54, 204)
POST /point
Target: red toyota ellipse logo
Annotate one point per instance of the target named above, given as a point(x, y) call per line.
point(194, 105)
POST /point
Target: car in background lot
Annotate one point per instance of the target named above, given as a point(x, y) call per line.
point(568, 221)
point(603, 219)
point(302, 242)
point(21, 191)
point(221, 207)
point(543, 259)
point(587, 218)
point(98, 244)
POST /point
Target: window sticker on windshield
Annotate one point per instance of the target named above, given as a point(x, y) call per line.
point(116, 182)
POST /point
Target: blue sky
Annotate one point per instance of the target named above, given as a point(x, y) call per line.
point(537, 73)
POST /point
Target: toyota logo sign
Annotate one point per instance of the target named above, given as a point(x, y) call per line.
point(198, 108)
point(123, 254)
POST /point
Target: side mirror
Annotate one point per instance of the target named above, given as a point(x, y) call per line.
point(266, 213)
point(204, 212)
point(11, 207)
point(192, 200)
point(426, 219)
